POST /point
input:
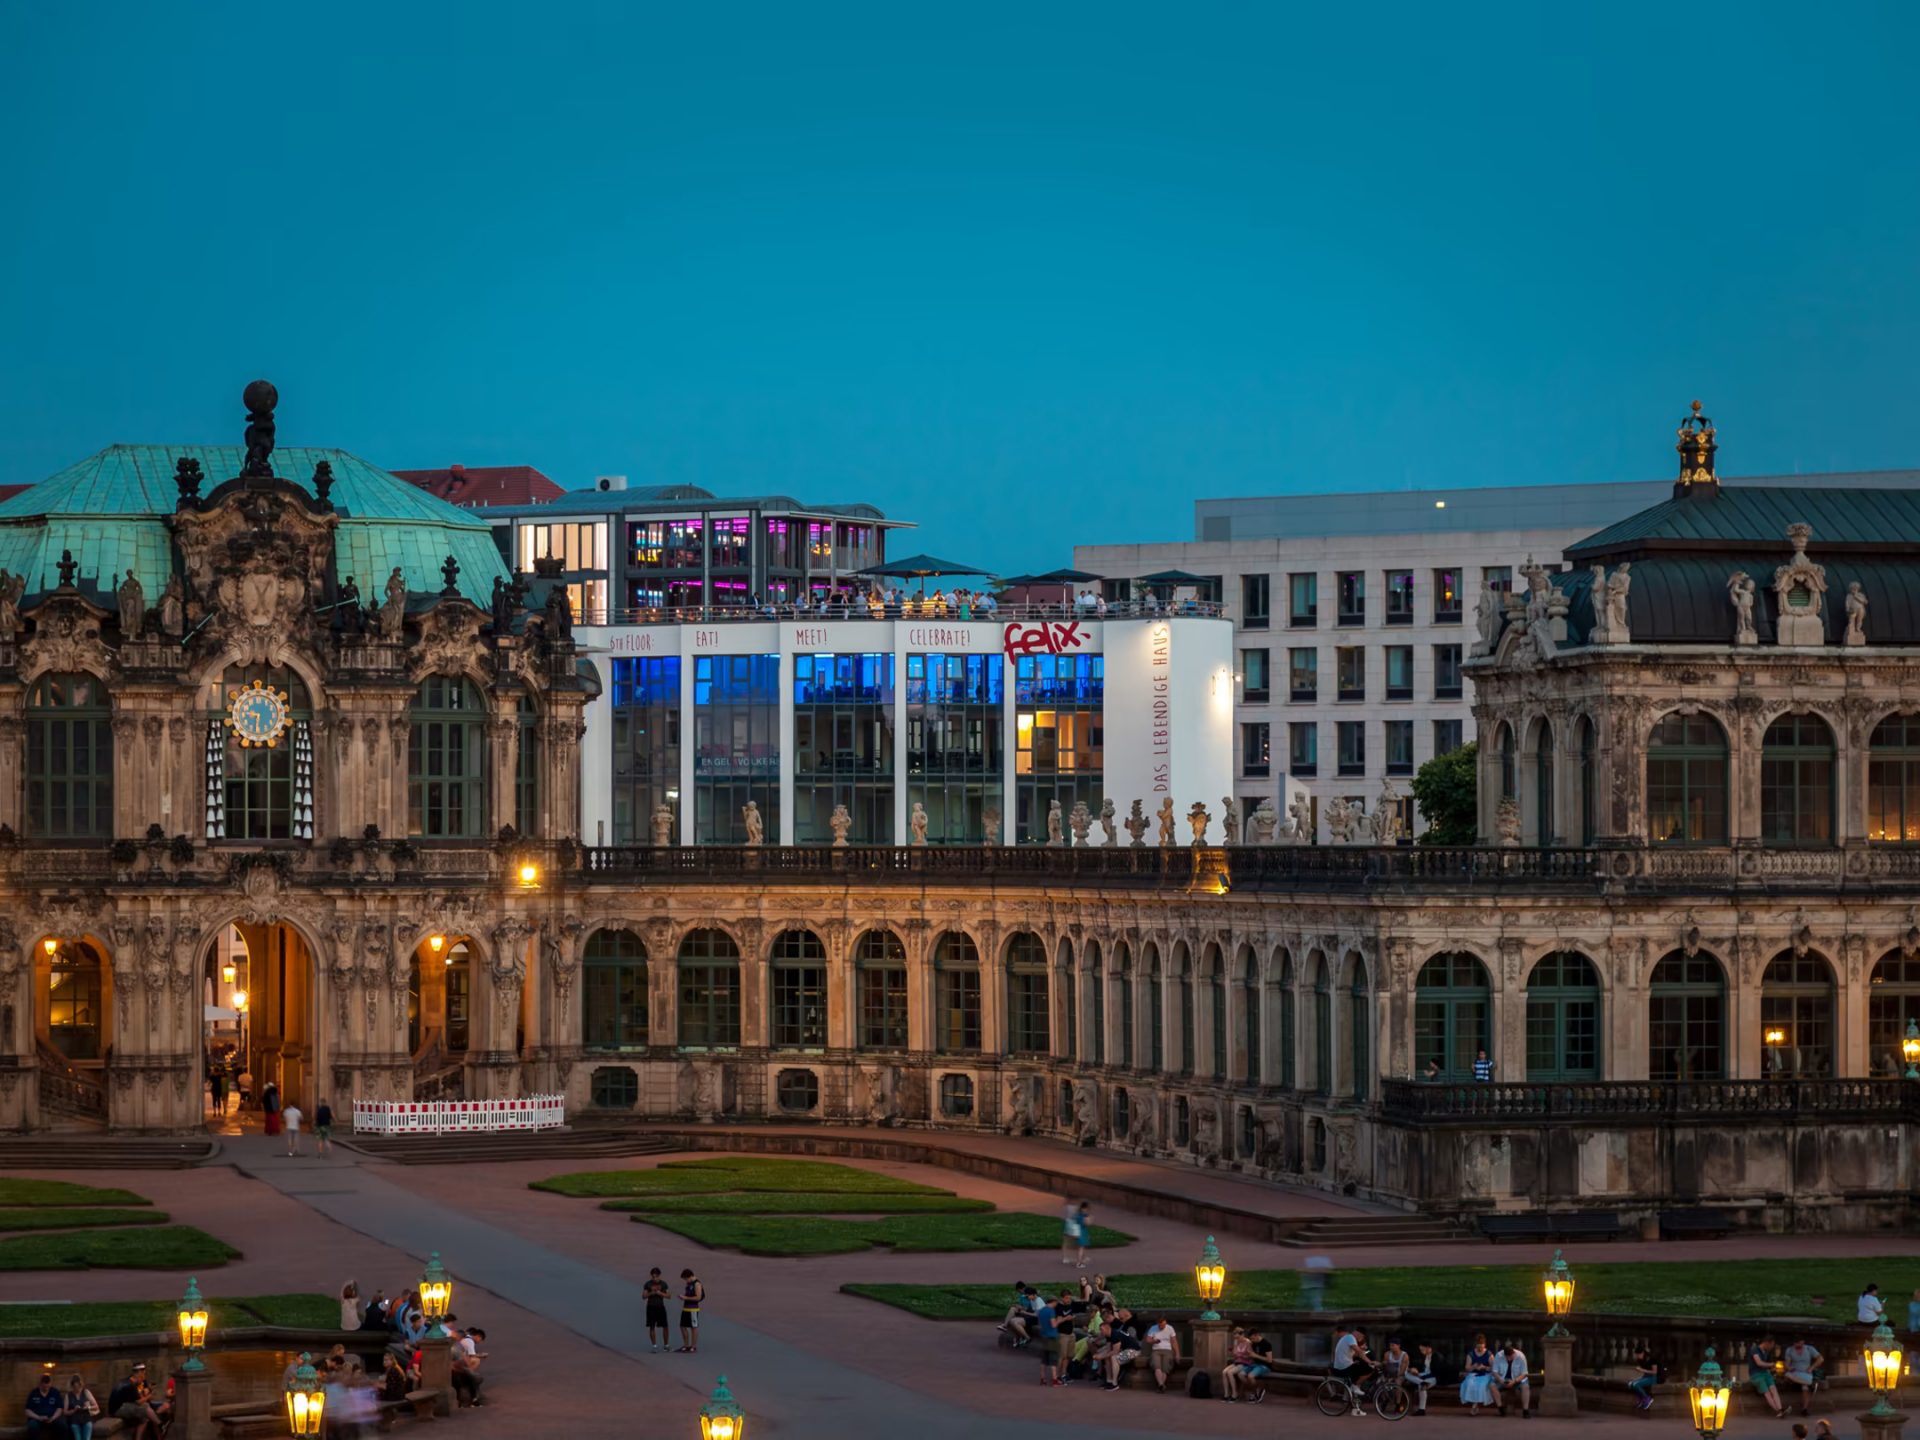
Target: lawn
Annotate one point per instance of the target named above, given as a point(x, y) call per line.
point(166, 1247)
point(778, 1235)
point(837, 1202)
point(145, 1317)
point(729, 1175)
point(1732, 1289)
point(61, 1192)
point(22, 1217)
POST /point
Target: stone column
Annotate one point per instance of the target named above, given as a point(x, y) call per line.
point(1881, 1427)
point(192, 1405)
point(1212, 1347)
point(1556, 1395)
point(436, 1372)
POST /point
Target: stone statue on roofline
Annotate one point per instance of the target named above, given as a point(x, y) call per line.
point(1229, 820)
point(1165, 816)
point(1107, 825)
point(1265, 821)
point(750, 818)
point(393, 610)
point(1302, 812)
point(1080, 822)
point(132, 596)
point(1199, 818)
point(916, 824)
point(1856, 615)
point(840, 822)
point(1137, 823)
point(1740, 591)
point(1054, 834)
point(990, 825)
point(663, 824)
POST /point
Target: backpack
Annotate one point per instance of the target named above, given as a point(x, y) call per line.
point(1199, 1386)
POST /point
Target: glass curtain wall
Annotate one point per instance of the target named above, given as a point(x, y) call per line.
point(646, 746)
point(736, 736)
point(1058, 738)
point(955, 710)
point(843, 746)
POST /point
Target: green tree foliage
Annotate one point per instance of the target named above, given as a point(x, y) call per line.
point(1446, 790)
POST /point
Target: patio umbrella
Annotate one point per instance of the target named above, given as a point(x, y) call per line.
point(1068, 577)
point(1174, 577)
point(919, 567)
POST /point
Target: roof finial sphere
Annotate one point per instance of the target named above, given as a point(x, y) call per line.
point(260, 397)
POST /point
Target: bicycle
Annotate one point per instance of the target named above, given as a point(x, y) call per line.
point(1390, 1399)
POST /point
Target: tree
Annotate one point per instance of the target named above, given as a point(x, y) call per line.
point(1446, 790)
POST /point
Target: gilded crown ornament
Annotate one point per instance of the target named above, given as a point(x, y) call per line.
point(1696, 447)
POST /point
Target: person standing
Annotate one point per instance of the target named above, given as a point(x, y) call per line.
point(1163, 1347)
point(692, 1294)
point(323, 1129)
point(655, 1292)
point(1083, 1230)
point(217, 1088)
point(1046, 1329)
point(350, 1306)
point(1483, 1069)
point(292, 1116)
point(1069, 1232)
point(270, 1107)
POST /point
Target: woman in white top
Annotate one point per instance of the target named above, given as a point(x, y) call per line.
point(1870, 1309)
point(350, 1306)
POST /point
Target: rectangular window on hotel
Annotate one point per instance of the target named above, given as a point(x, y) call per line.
point(1446, 597)
point(736, 740)
point(955, 706)
point(1253, 602)
point(843, 746)
point(1353, 597)
point(1256, 749)
point(646, 746)
point(665, 544)
point(1351, 664)
point(1399, 672)
point(1303, 749)
point(1399, 597)
point(1448, 736)
point(1499, 577)
point(1446, 672)
point(1399, 747)
point(1353, 747)
point(1253, 676)
point(1303, 674)
point(728, 541)
point(1303, 601)
point(1058, 738)
point(578, 545)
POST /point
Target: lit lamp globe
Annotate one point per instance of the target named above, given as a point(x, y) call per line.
point(1885, 1364)
point(720, 1417)
point(529, 875)
point(193, 1326)
point(1557, 1285)
point(1707, 1396)
point(306, 1399)
point(228, 973)
point(1776, 1036)
point(1910, 1049)
point(1210, 1277)
point(436, 1295)
point(239, 1000)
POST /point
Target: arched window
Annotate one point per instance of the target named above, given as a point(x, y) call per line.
point(458, 975)
point(1893, 781)
point(1589, 781)
point(1452, 1006)
point(797, 968)
point(1182, 1123)
point(1796, 1018)
point(1509, 764)
point(1069, 1002)
point(1122, 1113)
point(1027, 1028)
point(447, 761)
point(1543, 832)
point(613, 1005)
point(1687, 1019)
point(1096, 1003)
point(526, 769)
point(1289, 1076)
point(880, 963)
point(74, 1000)
point(1893, 1001)
point(1250, 998)
point(1217, 1008)
point(1183, 967)
point(1322, 1027)
point(1563, 1018)
point(1156, 1013)
point(259, 790)
point(1360, 1028)
point(709, 964)
point(956, 994)
point(1796, 782)
point(1687, 782)
point(69, 759)
point(1125, 981)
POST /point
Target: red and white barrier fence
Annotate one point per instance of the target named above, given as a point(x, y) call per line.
point(458, 1117)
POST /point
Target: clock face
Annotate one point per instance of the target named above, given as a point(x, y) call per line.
point(257, 715)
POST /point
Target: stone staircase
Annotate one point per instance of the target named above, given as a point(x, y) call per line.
point(593, 1143)
point(1337, 1232)
point(98, 1150)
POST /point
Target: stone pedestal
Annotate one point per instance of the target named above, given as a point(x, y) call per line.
point(1880, 1427)
point(192, 1405)
point(1555, 1395)
point(436, 1372)
point(1212, 1348)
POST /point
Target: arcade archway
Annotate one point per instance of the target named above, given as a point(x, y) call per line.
point(261, 1017)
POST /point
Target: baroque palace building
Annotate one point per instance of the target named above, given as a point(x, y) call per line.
point(1688, 940)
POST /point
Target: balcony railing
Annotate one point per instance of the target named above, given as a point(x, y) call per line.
point(1786, 1100)
point(915, 608)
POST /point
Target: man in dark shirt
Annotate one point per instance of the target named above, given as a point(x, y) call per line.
point(44, 1404)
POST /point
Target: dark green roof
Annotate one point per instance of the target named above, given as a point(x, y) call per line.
point(1744, 516)
point(109, 511)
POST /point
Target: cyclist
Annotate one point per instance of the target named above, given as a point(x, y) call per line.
point(1352, 1364)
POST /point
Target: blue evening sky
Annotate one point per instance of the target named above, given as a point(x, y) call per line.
point(1029, 274)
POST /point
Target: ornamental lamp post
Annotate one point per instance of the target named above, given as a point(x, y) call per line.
point(1885, 1363)
point(721, 1418)
point(193, 1326)
point(1707, 1397)
point(228, 973)
point(1910, 1049)
point(1557, 1284)
point(306, 1399)
point(436, 1295)
point(1556, 1392)
point(1211, 1277)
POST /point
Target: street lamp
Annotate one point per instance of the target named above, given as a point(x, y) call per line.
point(228, 973)
point(193, 1326)
point(529, 875)
point(306, 1399)
point(1211, 1276)
point(50, 945)
point(1884, 1363)
point(436, 1295)
point(1910, 1049)
point(1557, 1284)
point(436, 943)
point(720, 1417)
point(1708, 1395)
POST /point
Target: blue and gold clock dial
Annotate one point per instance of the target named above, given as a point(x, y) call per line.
point(257, 715)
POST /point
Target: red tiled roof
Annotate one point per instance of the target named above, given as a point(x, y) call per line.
point(485, 484)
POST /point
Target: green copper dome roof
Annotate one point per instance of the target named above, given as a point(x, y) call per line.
point(109, 511)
